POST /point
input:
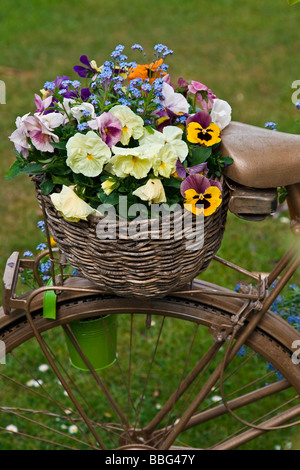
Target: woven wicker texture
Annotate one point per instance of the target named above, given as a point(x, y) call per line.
point(150, 267)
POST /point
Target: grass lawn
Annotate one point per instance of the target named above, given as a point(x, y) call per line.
point(244, 51)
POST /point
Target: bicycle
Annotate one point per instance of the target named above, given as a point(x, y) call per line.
point(218, 323)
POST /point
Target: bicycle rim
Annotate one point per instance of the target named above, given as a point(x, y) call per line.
point(159, 384)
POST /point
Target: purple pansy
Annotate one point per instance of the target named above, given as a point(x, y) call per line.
point(202, 117)
point(167, 117)
point(182, 171)
point(199, 183)
point(87, 69)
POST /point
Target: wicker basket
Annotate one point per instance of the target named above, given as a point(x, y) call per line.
point(134, 268)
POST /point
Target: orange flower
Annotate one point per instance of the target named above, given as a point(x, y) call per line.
point(151, 71)
point(140, 71)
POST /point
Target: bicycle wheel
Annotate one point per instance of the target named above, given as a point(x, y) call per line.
point(160, 392)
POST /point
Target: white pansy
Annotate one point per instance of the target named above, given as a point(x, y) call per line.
point(71, 206)
point(176, 102)
point(153, 192)
point(165, 163)
point(87, 153)
point(77, 111)
point(132, 125)
point(221, 113)
point(136, 161)
point(172, 136)
point(66, 107)
point(51, 120)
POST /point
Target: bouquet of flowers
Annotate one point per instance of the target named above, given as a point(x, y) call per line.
point(124, 129)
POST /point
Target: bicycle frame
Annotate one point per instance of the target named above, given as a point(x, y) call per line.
point(251, 306)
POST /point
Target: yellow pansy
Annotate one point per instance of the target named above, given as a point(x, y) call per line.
point(196, 134)
point(71, 206)
point(153, 192)
point(201, 195)
point(205, 203)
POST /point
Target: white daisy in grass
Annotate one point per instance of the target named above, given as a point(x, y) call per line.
point(73, 429)
point(12, 428)
point(34, 383)
point(216, 398)
point(132, 124)
point(43, 367)
point(87, 154)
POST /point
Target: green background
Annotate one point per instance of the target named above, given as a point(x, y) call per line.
point(246, 52)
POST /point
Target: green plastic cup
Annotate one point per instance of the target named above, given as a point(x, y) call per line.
point(98, 341)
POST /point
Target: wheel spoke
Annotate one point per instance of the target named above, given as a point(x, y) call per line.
point(160, 390)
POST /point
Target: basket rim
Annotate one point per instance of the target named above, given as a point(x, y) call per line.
point(94, 220)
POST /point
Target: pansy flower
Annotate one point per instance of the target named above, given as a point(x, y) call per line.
point(88, 69)
point(71, 206)
point(182, 171)
point(200, 130)
point(132, 124)
point(153, 192)
point(205, 96)
point(201, 195)
point(109, 127)
point(135, 161)
point(168, 118)
point(87, 153)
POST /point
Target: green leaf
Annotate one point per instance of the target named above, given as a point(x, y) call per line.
point(149, 129)
point(172, 182)
point(60, 180)
point(47, 186)
point(33, 168)
point(112, 198)
point(199, 155)
point(292, 2)
point(59, 145)
point(14, 170)
point(227, 160)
